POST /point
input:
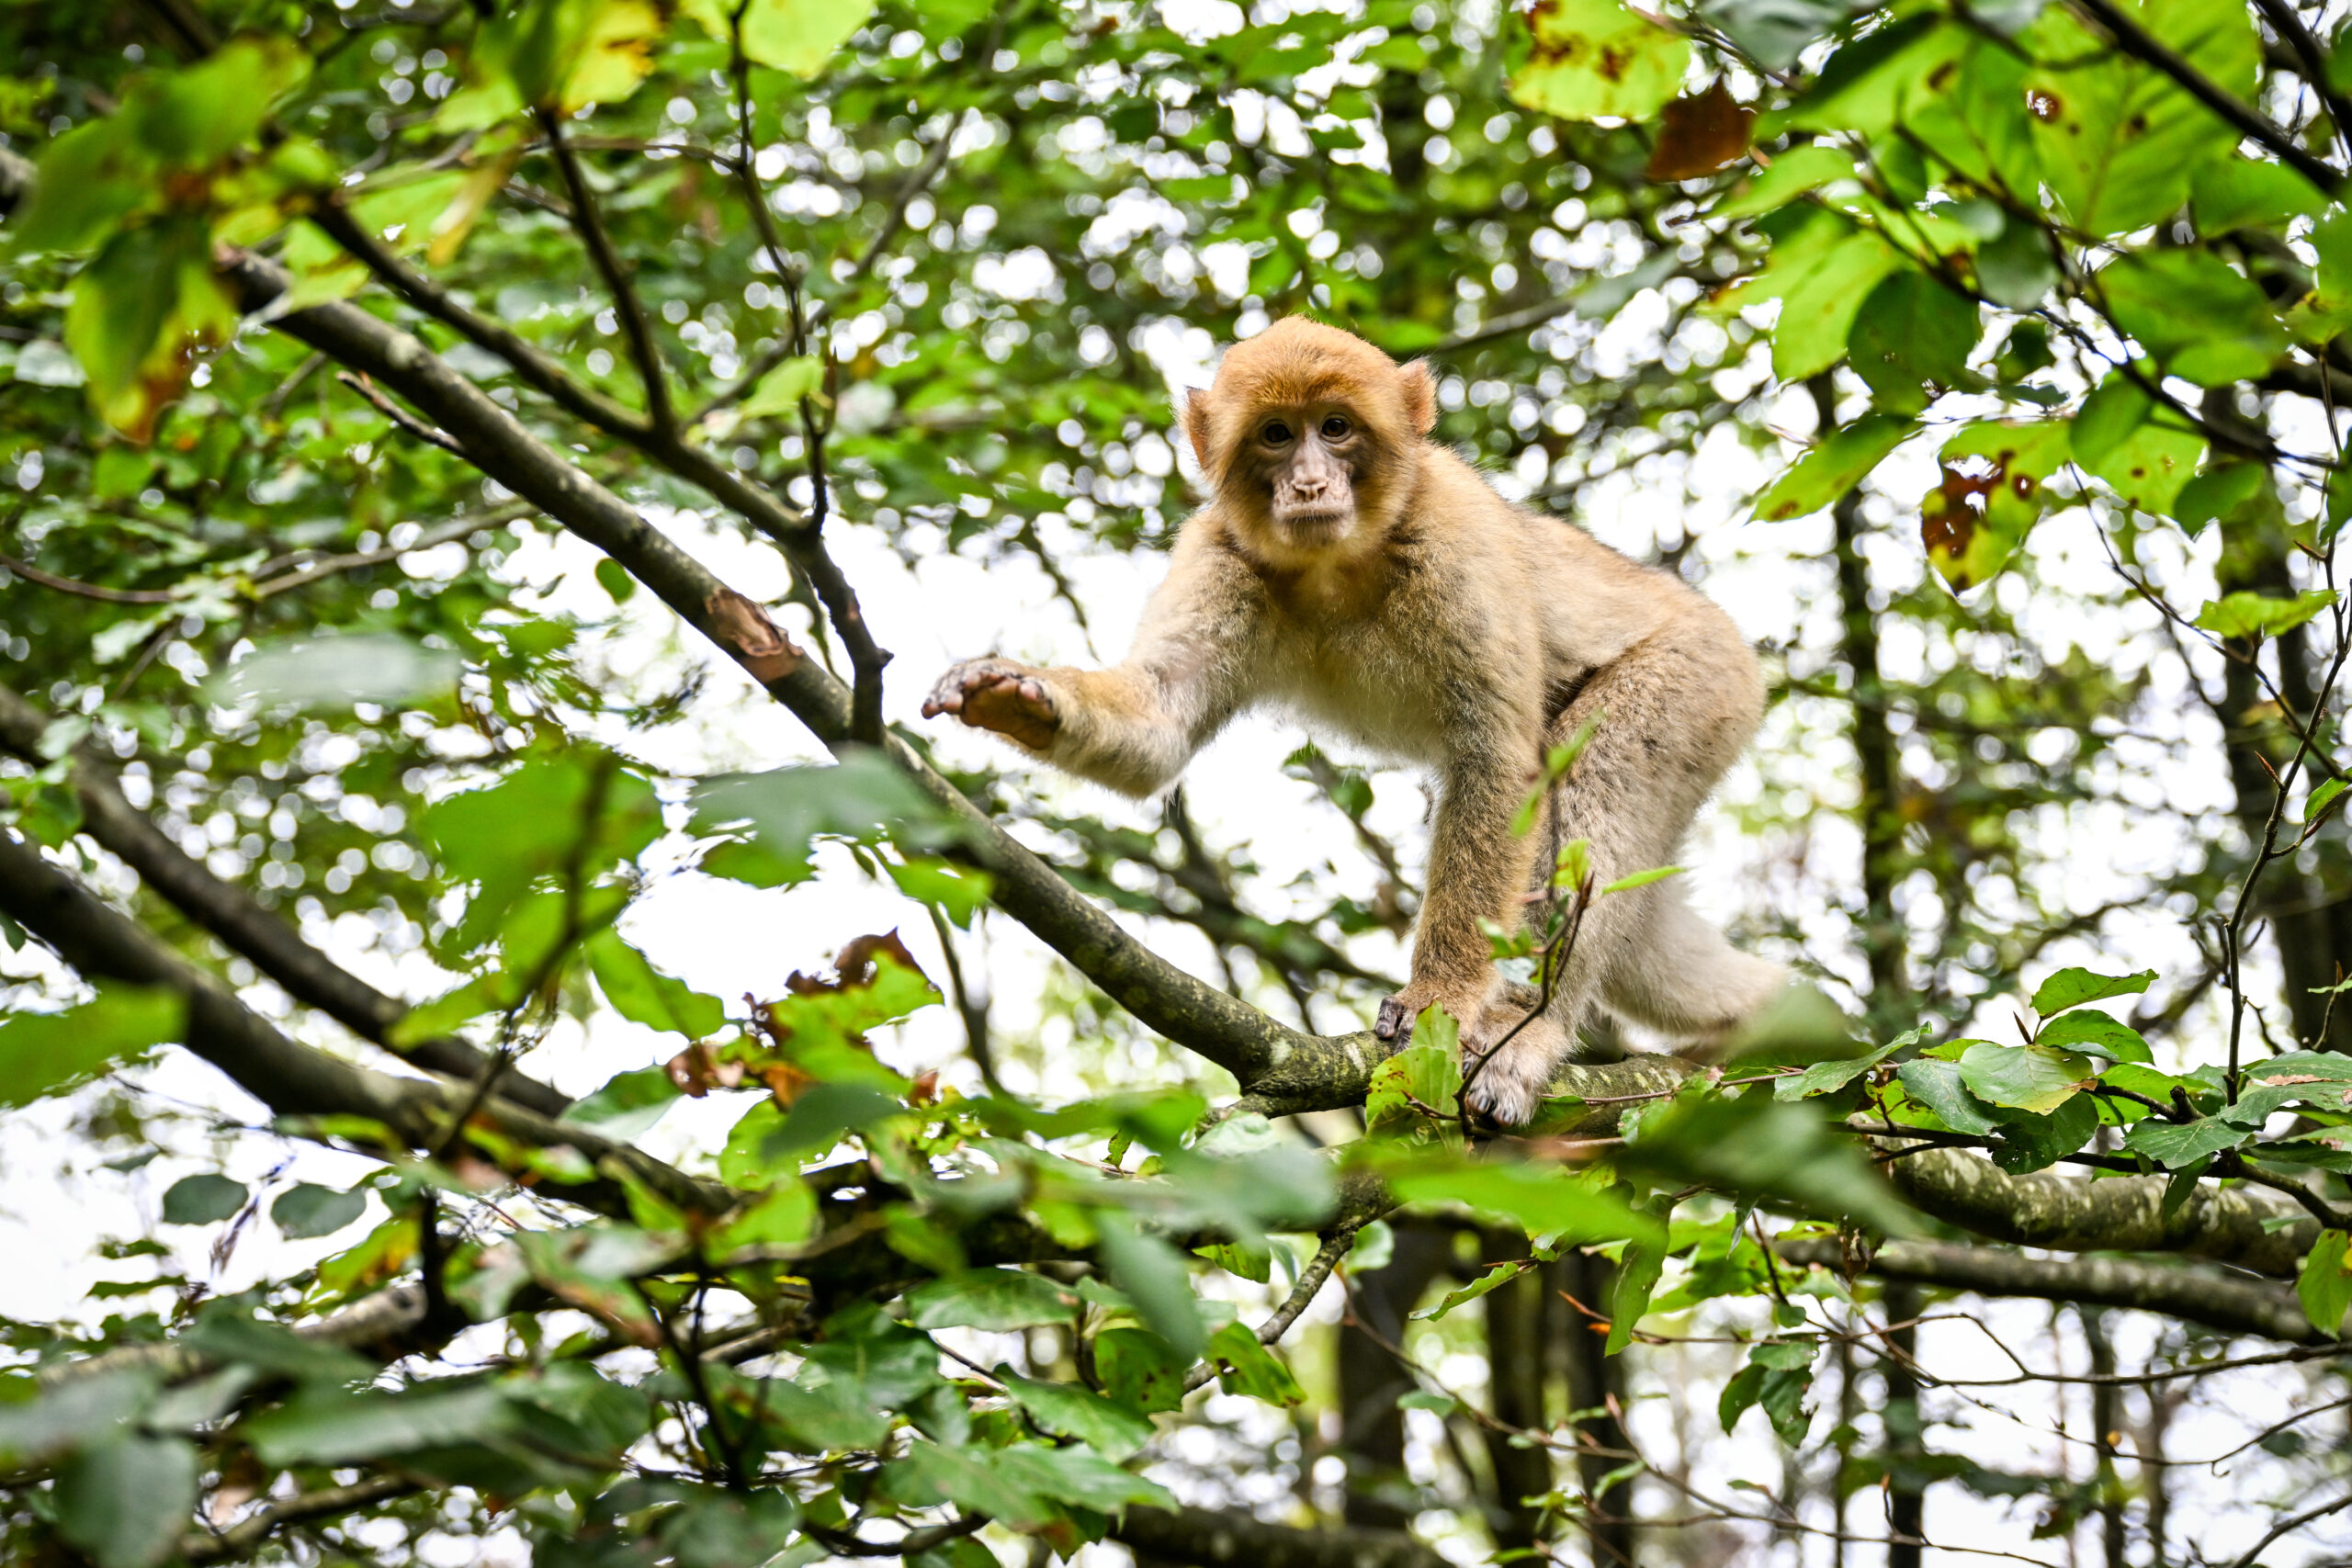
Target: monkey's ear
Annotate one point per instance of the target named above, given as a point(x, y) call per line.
point(1421, 396)
point(1195, 414)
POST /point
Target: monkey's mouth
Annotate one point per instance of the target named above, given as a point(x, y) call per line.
point(1314, 522)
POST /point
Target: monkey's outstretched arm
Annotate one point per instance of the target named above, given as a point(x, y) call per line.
point(1134, 725)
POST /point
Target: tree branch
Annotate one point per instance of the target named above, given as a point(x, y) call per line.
point(632, 311)
point(2119, 1215)
point(1299, 1071)
point(229, 913)
point(247, 1536)
point(2241, 117)
point(790, 528)
point(292, 1078)
point(2194, 1295)
point(1206, 1537)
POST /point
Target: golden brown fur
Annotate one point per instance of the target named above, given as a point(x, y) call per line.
point(1374, 584)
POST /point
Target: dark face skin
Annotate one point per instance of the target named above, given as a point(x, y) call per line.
point(1307, 459)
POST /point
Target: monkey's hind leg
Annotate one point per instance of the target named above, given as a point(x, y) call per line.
point(1681, 976)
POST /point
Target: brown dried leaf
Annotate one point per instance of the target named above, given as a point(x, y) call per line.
point(1699, 135)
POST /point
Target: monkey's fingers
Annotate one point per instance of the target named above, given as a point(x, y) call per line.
point(1395, 1019)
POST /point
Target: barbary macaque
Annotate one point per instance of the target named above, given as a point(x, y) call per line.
point(1371, 580)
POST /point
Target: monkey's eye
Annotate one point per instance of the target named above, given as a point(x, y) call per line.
point(1277, 433)
point(1335, 427)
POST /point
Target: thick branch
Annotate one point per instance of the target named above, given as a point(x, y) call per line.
point(789, 528)
point(248, 1535)
point(2219, 1301)
point(1300, 1070)
point(228, 912)
point(292, 1078)
point(1208, 1539)
point(2122, 1214)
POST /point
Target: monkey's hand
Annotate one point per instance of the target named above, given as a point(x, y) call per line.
point(997, 694)
point(1465, 1003)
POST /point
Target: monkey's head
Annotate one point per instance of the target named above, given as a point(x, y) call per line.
point(1310, 434)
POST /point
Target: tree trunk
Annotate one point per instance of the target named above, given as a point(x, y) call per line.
point(1372, 1429)
point(1515, 1361)
point(1595, 1381)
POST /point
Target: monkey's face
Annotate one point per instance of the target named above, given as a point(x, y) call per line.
point(1306, 459)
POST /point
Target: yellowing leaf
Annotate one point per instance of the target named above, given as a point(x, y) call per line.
point(798, 35)
point(140, 311)
point(1595, 58)
point(558, 54)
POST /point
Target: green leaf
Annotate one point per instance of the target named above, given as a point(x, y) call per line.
point(642, 994)
point(2095, 1033)
point(1153, 1275)
point(1774, 32)
point(1863, 85)
point(798, 35)
point(2251, 193)
point(2148, 469)
point(1541, 1198)
point(573, 814)
point(1250, 1369)
point(1973, 118)
point(125, 1501)
point(782, 389)
point(202, 1200)
point(2174, 1144)
point(1994, 490)
point(861, 797)
point(1140, 1370)
point(1818, 307)
point(627, 1105)
point(1912, 329)
point(226, 1334)
point(1840, 461)
point(1500, 1274)
point(1760, 1147)
point(2119, 141)
point(140, 310)
point(1067, 1411)
point(1793, 173)
point(993, 1299)
point(561, 55)
point(1639, 879)
point(2253, 615)
point(2027, 1077)
point(1595, 58)
point(1826, 1077)
point(332, 672)
point(1939, 1086)
point(1778, 1375)
point(2200, 318)
point(1422, 1075)
point(613, 578)
point(2325, 1286)
point(2226, 493)
point(2073, 987)
point(44, 1053)
point(308, 1209)
point(784, 1215)
point(1639, 1268)
point(320, 1426)
point(2031, 1141)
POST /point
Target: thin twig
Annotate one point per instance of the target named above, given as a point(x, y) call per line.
point(590, 227)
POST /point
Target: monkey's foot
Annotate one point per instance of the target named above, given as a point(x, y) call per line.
point(1395, 1019)
point(1508, 1081)
point(997, 694)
